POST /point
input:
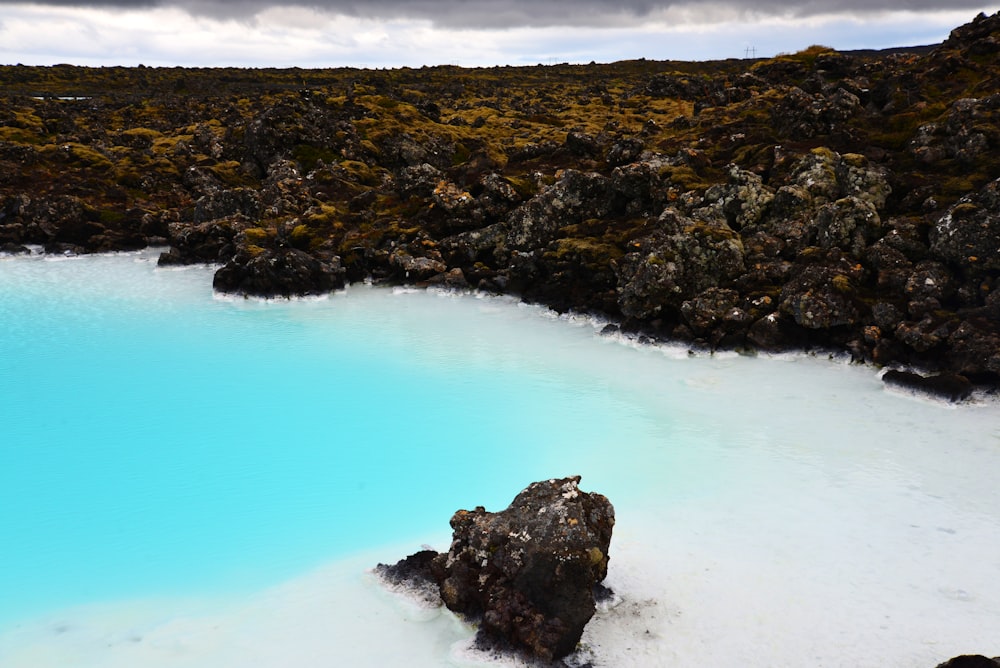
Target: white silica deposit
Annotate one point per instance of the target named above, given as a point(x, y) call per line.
point(206, 482)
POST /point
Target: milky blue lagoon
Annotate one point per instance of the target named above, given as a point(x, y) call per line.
point(191, 480)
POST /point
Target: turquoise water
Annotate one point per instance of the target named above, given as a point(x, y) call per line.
point(160, 444)
point(157, 438)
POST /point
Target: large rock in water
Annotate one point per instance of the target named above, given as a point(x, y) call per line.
point(528, 573)
point(950, 386)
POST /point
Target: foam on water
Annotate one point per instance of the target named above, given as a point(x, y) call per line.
point(194, 481)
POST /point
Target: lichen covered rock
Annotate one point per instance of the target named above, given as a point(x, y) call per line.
point(528, 573)
point(969, 233)
point(682, 258)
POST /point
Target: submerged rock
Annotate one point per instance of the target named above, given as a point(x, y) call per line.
point(950, 386)
point(527, 574)
point(971, 661)
point(414, 576)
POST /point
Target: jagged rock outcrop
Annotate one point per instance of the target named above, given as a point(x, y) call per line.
point(968, 131)
point(402, 150)
point(717, 314)
point(411, 268)
point(528, 573)
point(278, 272)
point(968, 235)
point(802, 115)
point(66, 223)
point(224, 203)
point(299, 123)
point(208, 242)
point(680, 259)
point(743, 200)
point(575, 196)
point(822, 295)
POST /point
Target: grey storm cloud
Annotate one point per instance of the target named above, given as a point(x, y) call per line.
point(533, 13)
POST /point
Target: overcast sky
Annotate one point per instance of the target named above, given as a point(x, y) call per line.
point(393, 33)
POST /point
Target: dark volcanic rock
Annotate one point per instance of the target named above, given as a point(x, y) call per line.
point(414, 575)
point(975, 347)
point(969, 233)
point(681, 259)
point(412, 268)
point(243, 201)
point(951, 386)
point(821, 296)
point(14, 249)
point(573, 197)
point(210, 242)
point(528, 573)
point(284, 272)
point(971, 661)
point(967, 133)
point(714, 313)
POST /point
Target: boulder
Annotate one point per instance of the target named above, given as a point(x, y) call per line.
point(969, 233)
point(225, 203)
point(285, 192)
point(582, 145)
point(821, 296)
point(823, 176)
point(401, 150)
point(774, 332)
point(574, 197)
point(419, 180)
point(714, 313)
point(412, 268)
point(849, 224)
point(974, 347)
point(11, 248)
point(528, 574)
point(211, 241)
point(684, 257)
point(624, 151)
point(275, 272)
point(966, 133)
point(743, 200)
point(497, 197)
point(414, 576)
point(201, 181)
point(50, 218)
point(924, 334)
point(950, 386)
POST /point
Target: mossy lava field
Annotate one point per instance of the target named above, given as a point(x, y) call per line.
point(813, 201)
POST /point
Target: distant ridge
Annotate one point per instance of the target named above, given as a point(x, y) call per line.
point(895, 50)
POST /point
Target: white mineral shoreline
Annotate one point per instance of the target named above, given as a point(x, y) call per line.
point(784, 512)
point(698, 584)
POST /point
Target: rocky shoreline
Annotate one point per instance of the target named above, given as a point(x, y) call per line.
point(814, 201)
